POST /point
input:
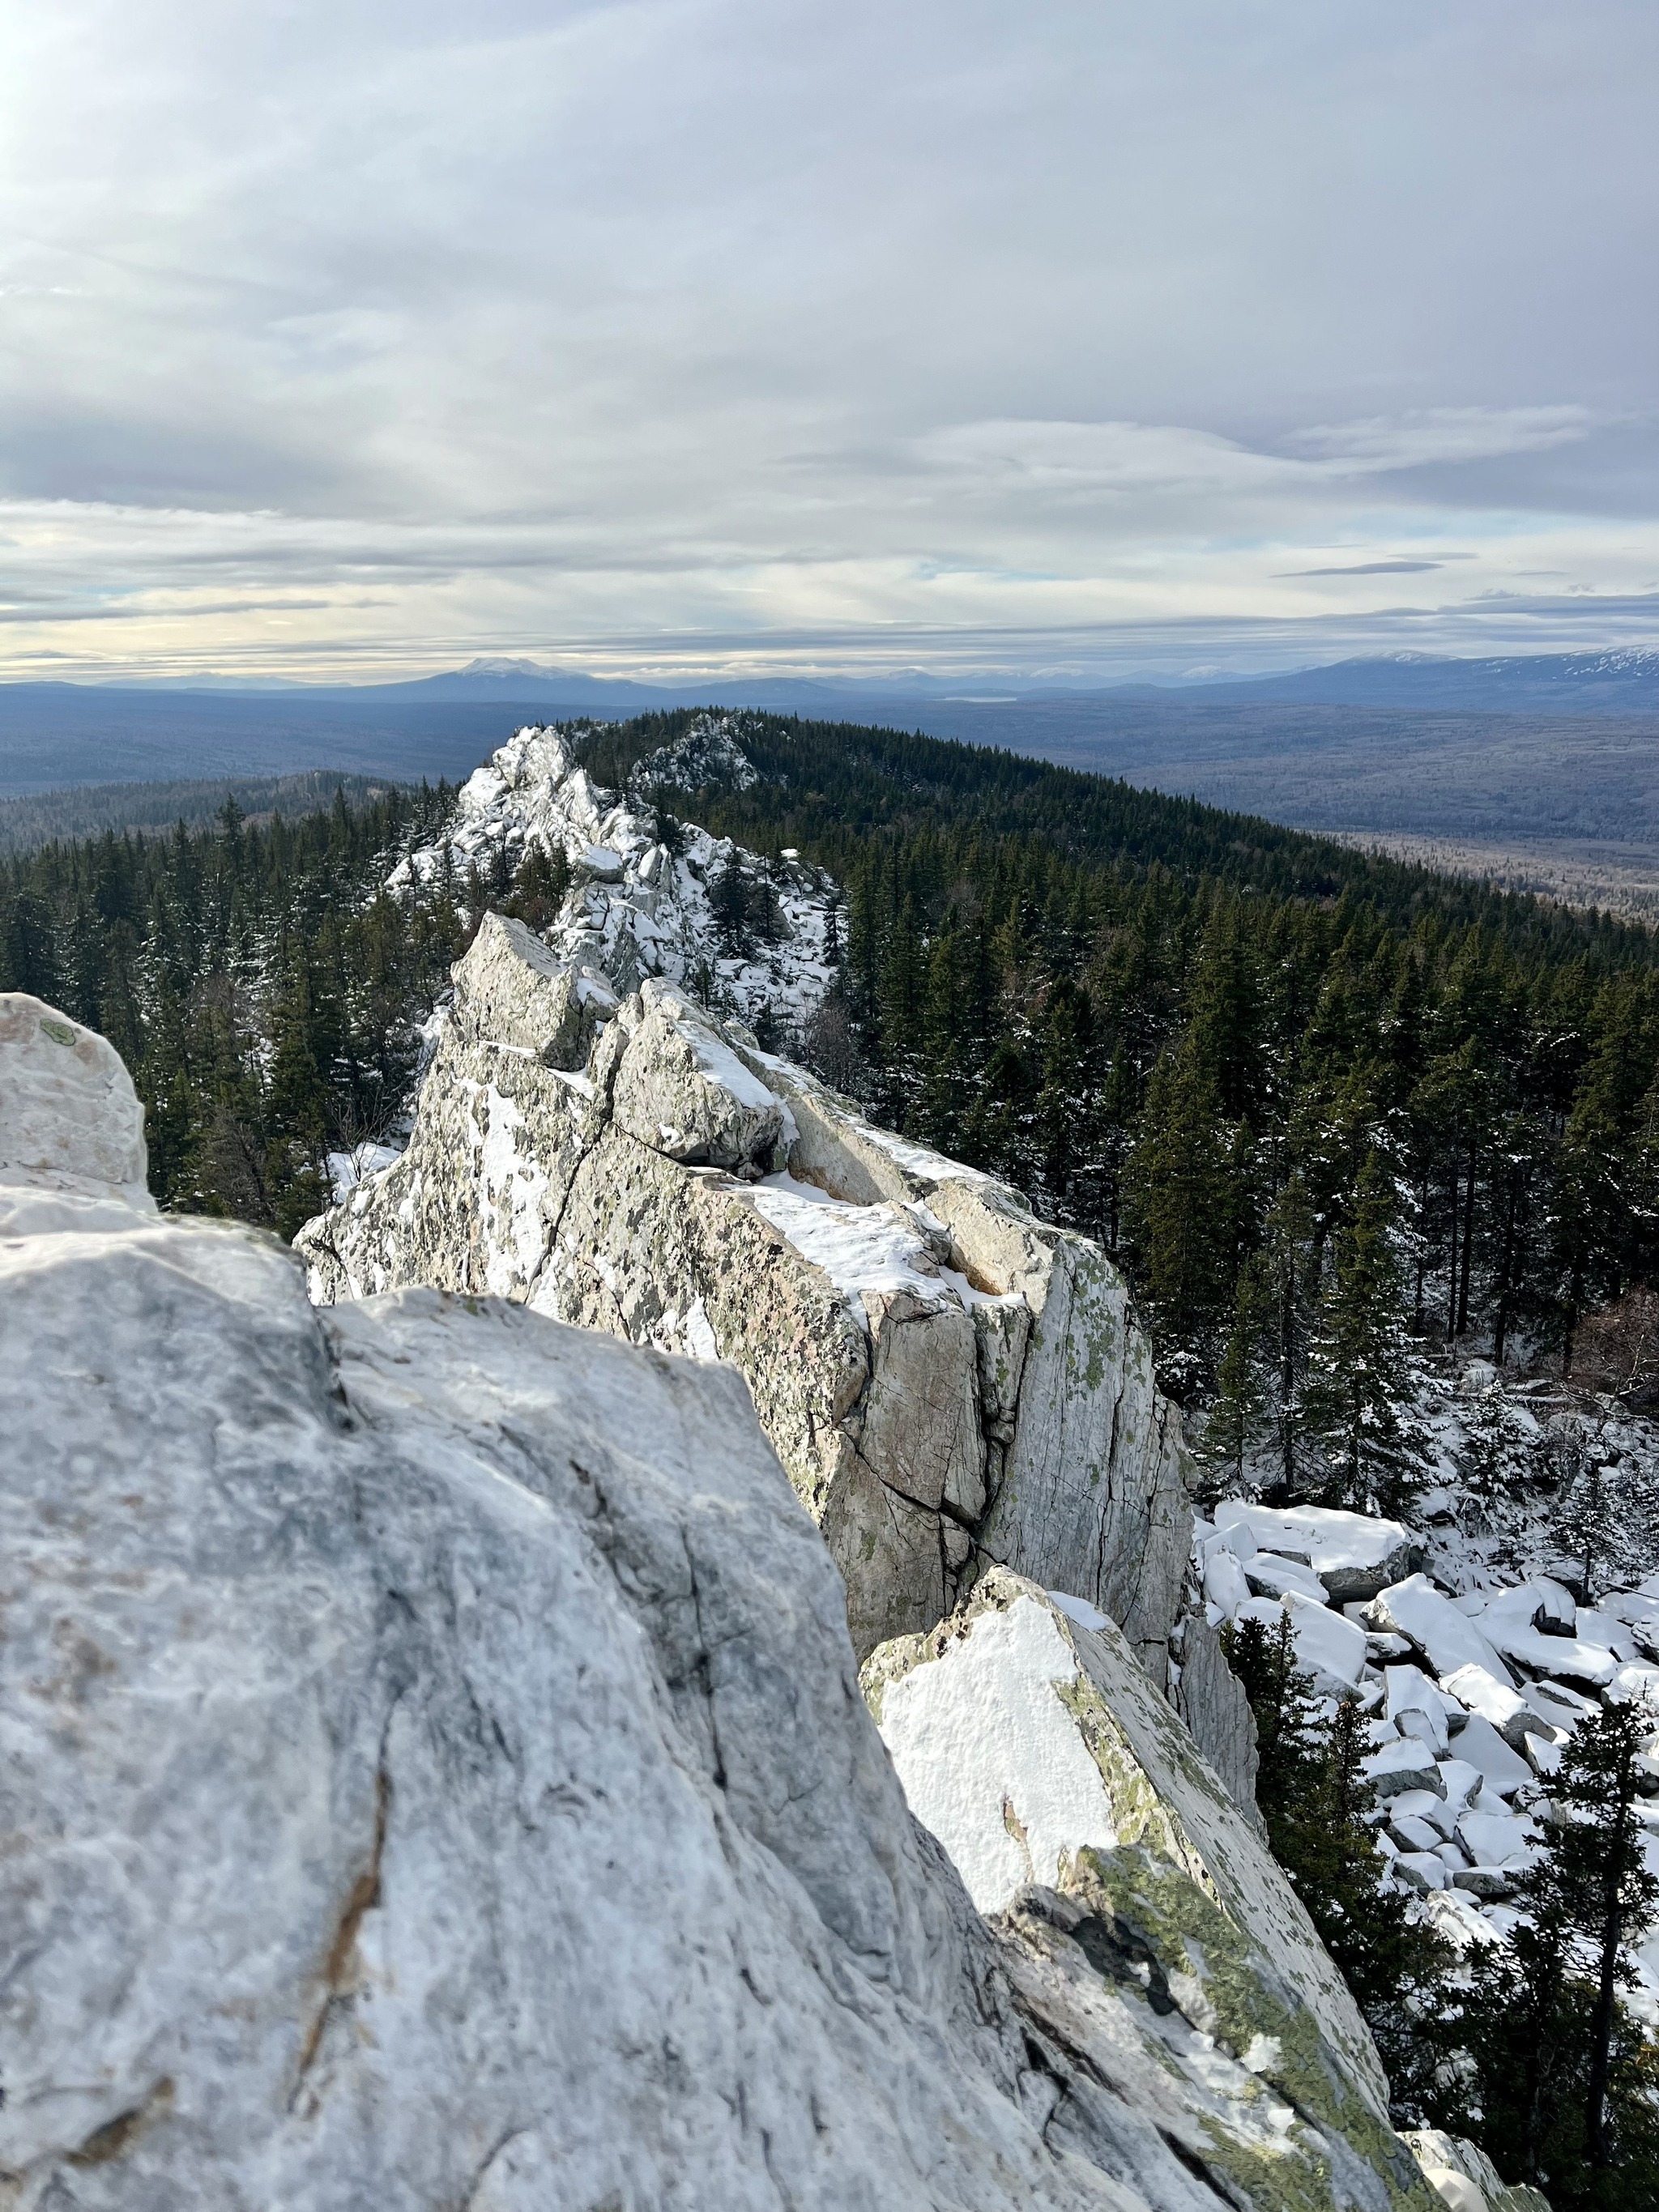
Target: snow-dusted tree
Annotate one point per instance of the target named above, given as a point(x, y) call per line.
point(1357, 1404)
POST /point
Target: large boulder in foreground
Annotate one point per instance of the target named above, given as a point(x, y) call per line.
point(437, 1778)
point(947, 1380)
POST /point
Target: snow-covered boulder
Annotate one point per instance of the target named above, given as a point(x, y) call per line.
point(1328, 1649)
point(946, 1379)
point(1448, 1639)
point(1478, 1691)
point(1036, 1751)
point(436, 1776)
point(1355, 1555)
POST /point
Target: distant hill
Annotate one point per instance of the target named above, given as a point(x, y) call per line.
point(1623, 682)
point(154, 809)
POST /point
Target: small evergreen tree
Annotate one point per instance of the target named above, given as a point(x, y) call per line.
point(1314, 1798)
point(1357, 1399)
point(1563, 2089)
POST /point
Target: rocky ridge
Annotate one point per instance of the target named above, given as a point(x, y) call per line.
point(948, 1381)
point(641, 904)
point(437, 1776)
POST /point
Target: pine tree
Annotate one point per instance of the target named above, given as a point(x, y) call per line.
point(1562, 2089)
point(1356, 1402)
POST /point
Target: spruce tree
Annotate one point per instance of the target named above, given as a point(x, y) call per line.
point(1181, 1214)
point(1357, 1403)
point(1561, 2084)
point(1314, 1800)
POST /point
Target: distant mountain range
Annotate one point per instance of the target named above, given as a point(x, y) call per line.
point(1558, 746)
point(1619, 683)
point(1623, 682)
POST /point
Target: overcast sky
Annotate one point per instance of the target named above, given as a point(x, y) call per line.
point(360, 336)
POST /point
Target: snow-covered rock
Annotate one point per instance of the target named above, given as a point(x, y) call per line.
point(946, 1379)
point(436, 1776)
point(1038, 1753)
point(641, 907)
point(1329, 1649)
point(1275, 1577)
point(1478, 1691)
point(1407, 1765)
point(1415, 1609)
point(1354, 1555)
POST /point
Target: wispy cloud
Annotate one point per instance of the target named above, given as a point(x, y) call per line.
point(352, 337)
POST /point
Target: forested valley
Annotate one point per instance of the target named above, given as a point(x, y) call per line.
point(1325, 1109)
point(1335, 1116)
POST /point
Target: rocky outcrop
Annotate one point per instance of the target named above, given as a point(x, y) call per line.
point(1032, 1745)
point(436, 1776)
point(642, 903)
point(947, 1380)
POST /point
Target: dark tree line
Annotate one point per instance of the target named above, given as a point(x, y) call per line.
point(259, 981)
point(1328, 1111)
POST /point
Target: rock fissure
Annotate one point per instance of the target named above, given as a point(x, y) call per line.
point(362, 1898)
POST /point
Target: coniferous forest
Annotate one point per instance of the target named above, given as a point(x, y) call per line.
point(262, 987)
point(1323, 1107)
point(1330, 1112)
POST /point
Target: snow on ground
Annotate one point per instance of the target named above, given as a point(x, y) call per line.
point(1477, 1631)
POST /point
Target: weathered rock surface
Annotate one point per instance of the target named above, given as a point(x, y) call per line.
point(436, 1776)
point(946, 1379)
point(70, 1120)
point(1027, 1743)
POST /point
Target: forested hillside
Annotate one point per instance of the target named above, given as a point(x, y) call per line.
point(260, 984)
point(1319, 1104)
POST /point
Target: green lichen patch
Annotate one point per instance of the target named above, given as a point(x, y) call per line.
point(1139, 1815)
point(1254, 2011)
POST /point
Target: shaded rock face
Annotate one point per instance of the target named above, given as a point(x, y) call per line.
point(947, 1380)
point(436, 1776)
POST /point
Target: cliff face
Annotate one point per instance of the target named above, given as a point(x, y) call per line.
point(436, 1776)
point(948, 1379)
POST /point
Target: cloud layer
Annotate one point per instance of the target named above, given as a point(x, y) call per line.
point(714, 334)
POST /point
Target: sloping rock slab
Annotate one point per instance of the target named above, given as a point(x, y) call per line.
point(1025, 1741)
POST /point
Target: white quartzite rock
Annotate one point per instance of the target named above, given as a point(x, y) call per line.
point(436, 1776)
point(946, 1378)
point(1067, 1792)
